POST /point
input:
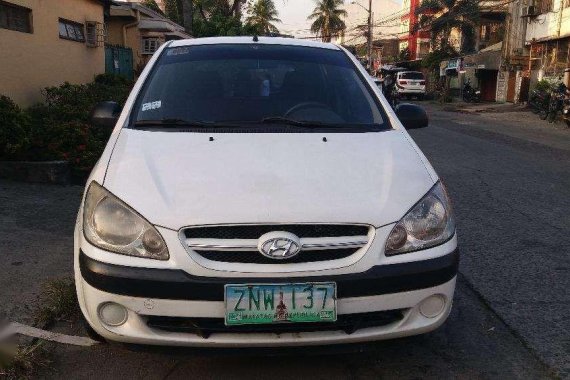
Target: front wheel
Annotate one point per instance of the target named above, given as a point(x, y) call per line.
point(567, 121)
point(552, 116)
point(543, 114)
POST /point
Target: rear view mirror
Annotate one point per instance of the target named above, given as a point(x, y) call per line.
point(412, 116)
point(105, 114)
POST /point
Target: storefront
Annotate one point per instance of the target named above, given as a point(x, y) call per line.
point(481, 70)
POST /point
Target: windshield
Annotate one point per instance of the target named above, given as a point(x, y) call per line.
point(246, 85)
point(411, 75)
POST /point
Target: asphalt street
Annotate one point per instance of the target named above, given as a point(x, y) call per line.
point(509, 179)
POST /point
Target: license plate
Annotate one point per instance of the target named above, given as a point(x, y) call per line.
point(276, 303)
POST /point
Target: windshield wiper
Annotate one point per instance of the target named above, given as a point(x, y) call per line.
point(314, 124)
point(181, 123)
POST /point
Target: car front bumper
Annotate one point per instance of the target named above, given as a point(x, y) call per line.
point(171, 307)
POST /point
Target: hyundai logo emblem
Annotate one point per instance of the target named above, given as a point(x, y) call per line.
point(279, 245)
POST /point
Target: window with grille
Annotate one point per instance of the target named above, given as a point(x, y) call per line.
point(94, 34)
point(70, 30)
point(150, 45)
point(16, 18)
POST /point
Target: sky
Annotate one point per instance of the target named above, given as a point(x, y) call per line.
point(293, 14)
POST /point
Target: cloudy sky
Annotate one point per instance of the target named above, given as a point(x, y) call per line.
point(293, 13)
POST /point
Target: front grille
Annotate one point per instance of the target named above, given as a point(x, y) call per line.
point(254, 231)
point(238, 243)
point(204, 327)
point(254, 257)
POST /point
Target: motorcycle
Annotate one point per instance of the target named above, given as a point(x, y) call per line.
point(556, 104)
point(470, 94)
point(566, 109)
point(390, 91)
point(538, 101)
point(394, 98)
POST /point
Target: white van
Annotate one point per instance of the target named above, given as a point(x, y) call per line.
point(261, 192)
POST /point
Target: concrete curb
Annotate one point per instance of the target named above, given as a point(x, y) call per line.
point(56, 172)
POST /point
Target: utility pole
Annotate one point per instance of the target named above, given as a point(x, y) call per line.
point(370, 36)
point(188, 15)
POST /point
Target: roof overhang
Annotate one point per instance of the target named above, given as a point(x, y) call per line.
point(549, 38)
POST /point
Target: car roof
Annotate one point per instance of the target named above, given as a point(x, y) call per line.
point(249, 40)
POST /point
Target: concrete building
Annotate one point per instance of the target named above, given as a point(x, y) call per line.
point(133, 26)
point(537, 46)
point(418, 42)
point(490, 28)
point(46, 43)
point(548, 37)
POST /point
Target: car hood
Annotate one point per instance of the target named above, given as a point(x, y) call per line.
point(177, 179)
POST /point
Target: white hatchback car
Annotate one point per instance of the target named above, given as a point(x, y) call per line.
point(261, 192)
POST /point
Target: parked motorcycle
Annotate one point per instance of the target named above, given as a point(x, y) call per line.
point(556, 103)
point(566, 109)
point(539, 101)
point(470, 94)
point(395, 98)
point(390, 91)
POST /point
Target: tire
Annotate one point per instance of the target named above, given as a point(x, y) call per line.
point(552, 116)
point(543, 114)
point(567, 121)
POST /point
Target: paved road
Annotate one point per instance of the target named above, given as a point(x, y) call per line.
point(512, 198)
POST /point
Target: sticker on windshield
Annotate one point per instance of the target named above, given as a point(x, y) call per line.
point(151, 105)
point(178, 51)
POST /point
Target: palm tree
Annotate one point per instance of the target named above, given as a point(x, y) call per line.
point(262, 14)
point(441, 17)
point(327, 19)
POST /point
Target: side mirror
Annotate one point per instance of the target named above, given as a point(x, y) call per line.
point(105, 114)
point(412, 116)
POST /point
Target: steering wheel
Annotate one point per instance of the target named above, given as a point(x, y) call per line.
point(301, 106)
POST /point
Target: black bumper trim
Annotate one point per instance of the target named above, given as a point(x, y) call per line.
point(178, 285)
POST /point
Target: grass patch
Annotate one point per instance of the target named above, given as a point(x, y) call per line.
point(21, 362)
point(58, 302)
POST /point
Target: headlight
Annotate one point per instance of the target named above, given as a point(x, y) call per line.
point(112, 225)
point(429, 223)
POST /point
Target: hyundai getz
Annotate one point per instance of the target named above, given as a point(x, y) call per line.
point(262, 192)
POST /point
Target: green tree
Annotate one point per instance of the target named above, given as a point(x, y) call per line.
point(327, 19)
point(151, 4)
point(261, 16)
point(173, 10)
point(205, 18)
point(441, 17)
